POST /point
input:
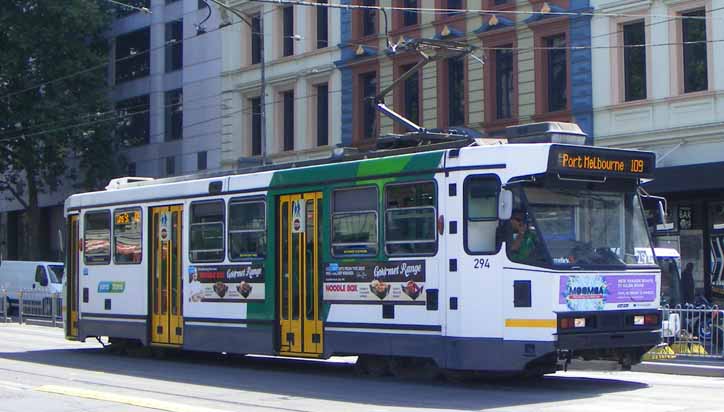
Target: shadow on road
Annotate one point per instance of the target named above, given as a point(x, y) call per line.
point(320, 380)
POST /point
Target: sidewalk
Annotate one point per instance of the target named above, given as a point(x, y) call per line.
point(682, 365)
point(685, 365)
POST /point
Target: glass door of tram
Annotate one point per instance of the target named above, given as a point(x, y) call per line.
point(299, 274)
point(71, 277)
point(166, 281)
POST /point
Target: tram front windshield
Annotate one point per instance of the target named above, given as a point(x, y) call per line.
point(585, 227)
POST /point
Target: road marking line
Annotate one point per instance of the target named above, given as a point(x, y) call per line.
point(15, 386)
point(127, 400)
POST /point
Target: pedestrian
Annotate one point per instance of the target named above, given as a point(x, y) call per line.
point(687, 284)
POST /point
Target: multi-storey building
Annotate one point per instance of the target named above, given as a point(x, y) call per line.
point(296, 47)
point(666, 95)
point(166, 81)
point(530, 74)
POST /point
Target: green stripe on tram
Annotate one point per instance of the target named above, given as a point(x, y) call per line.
point(317, 178)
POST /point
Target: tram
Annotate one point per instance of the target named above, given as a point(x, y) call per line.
point(507, 256)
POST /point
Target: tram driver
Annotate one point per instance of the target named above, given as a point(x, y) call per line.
point(523, 247)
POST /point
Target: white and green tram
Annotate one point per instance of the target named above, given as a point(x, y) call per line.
point(407, 258)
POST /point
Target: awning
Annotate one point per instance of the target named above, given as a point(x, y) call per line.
point(698, 177)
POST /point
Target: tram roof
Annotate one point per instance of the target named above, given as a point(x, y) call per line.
point(529, 158)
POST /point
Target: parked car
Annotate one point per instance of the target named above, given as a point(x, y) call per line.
point(42, 277)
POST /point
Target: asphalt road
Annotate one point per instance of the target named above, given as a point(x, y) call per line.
point(40, 371)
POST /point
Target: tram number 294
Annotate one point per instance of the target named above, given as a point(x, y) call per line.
point(481, 263)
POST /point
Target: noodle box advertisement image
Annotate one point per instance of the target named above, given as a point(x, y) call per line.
point(373, 282)
point(226, 283)
point(588, 292)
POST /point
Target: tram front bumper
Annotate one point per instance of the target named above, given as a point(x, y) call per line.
point(609, 340)
point(608, 335)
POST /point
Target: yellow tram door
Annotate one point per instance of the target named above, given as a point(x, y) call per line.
point(166, 281)
point(299, 274)
point(72, 277)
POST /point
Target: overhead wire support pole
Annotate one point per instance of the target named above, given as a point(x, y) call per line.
point(262, 99)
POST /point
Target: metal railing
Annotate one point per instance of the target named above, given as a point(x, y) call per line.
point(4, 305)
point(694, 331)
point(40, 305)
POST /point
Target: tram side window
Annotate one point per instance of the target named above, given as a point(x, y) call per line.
point(97, 238)
point(481, 214)
point(410, 218)
point(354, 222)
point(247, 230)
point(207, 231)
point(127, 232)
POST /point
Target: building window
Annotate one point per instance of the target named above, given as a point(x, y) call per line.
point(256, 39)
point(171, 1)
point(456, 91)
point(97, 238)
point(288, 32)
point(410, 219)
point(504, 82)
point(247, 230)
point(557, 72)
point(481, 214)
point(170, 166)
point(201, 160)
point(131, 169)
point(410, 17)
point(134, 121)
point(133, 58)
point(369, 18)
point(322, 25)
point(127, 230)
point(411, 94)
point(454, 4)
point(174, 45)
point(288, 115)
point(174, 114)
point(201, 4)
point(207, 231)
point(322, 114)
point(255, 104)
point(354, 221)
point(695, 60)
point(634, 61)
point(368, 86)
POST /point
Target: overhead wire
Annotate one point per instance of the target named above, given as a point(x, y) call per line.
point(305, 3)
point(480, 11)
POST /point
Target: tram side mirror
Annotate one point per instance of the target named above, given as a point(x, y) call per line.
point(505, 204)
point(662, 223)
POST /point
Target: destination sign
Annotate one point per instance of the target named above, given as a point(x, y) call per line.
point(125, 218)
point(604, 162)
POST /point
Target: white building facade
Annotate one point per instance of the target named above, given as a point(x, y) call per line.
point(302, 84)
point(658, 85)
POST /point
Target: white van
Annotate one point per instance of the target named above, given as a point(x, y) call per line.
point(41, 277)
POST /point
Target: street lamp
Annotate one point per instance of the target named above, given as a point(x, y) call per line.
point(263, 72)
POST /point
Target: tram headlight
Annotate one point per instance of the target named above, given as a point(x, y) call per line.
point(571, 323)
point(639, 320)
